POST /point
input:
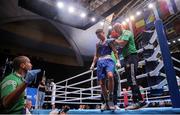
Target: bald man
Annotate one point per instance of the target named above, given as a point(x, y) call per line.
point(12, 87)
point(129, 52)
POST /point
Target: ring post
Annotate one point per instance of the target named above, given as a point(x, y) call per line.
point(168, 65)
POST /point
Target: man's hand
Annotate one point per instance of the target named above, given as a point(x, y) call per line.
point(118, 64)
point(31, 75)
point(92, 66)
point(111, 40)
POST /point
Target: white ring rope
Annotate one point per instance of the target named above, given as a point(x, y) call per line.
point(68, 93)
point(176, 59)
point(176, 68)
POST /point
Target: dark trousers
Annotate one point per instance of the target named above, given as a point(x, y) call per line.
point(115, 95)
point(131, 65)
point(116, 84)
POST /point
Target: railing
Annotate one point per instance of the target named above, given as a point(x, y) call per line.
point(72, 92)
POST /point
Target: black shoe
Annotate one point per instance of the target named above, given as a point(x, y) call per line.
point(143, 104)
point(133, 106)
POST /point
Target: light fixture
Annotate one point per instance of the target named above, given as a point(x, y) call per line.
point(150, 5)
point(132, 17)
point(60, 5)
point(101, 23)
point(109, 27)
point(127, 19)
point(138, 13)
point(124, 23)
point(71, 9)
point(83, 15)
point(93, 19)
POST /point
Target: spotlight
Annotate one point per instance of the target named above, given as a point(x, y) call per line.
point(150, 5)
point(93, 19)
point(83, 15)
point(132, 17)
point(71, 9)
point(101, 23)
point(124, 23)
point(138, 13)
point(127, 19)
point(110, 27)
point(60, 5)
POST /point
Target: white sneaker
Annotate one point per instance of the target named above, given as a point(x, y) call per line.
point(105, 107)
point(117, 107)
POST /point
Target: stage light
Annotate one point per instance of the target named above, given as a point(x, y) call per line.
point(127, 19)
point(132, 17)
point(101, 23)
point(83, 15)
point(138, 13)
point(124, 23)
point(93, 19)
point(109, 27)
point(150, 5)
point(60, 5)
point(71, 9)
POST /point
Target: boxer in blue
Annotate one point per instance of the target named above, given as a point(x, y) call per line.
point(105, 66)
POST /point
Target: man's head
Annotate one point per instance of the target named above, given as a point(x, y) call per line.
point(22, 62)
point(28, 104)
point(100, 34)
point(117, 27)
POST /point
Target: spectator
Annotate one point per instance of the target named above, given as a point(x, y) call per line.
point(12, 87)
point(28, 107)
point(41, 93)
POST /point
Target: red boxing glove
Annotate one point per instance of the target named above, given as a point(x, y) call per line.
point(114, 34)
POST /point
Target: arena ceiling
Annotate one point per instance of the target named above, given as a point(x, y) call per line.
point(32, 27)
point(37, 28)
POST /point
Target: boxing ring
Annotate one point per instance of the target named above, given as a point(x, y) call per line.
point(84, 89)
point(73, 93)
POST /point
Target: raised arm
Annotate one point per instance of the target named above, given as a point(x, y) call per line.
point(13, 96)
point(96, 56)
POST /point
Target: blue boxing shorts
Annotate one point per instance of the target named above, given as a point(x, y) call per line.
point(103, 67)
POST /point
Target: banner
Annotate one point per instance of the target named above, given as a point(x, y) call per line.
point(138, 25)
point(177, 4)
point(31, 94)
point(149, 18)
point(163, 9)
